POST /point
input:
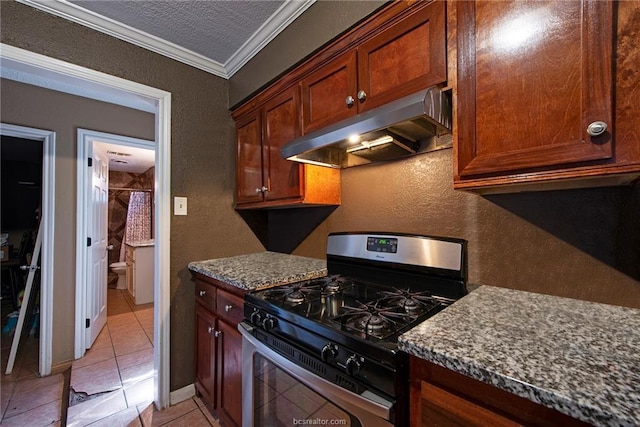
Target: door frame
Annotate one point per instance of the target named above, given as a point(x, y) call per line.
point(87, 137)
point(101, 86)
point(48, 139)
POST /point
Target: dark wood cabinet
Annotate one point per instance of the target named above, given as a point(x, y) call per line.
point(407, 54)
point(249, 168)
point(441, 397)
point(230, 372)
point(532, 77)
point(406, 57)
point(218, 348)
point(264, 178)
point(206, 350)
point(329, 93)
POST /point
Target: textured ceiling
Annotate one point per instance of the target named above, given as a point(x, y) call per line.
point(218, 36)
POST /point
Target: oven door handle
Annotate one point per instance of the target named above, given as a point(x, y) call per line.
point(362, 406)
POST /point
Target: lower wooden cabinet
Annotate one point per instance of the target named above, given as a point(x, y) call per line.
point(218, 348)
point(441, 397)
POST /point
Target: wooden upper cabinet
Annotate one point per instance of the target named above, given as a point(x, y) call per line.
point(264, 178)
point(325, 93)
point(405, 56)
point(282, 125)
point(532, 77)
point(249, 158)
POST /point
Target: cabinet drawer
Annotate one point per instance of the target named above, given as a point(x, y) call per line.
point(206, 295)
point(230, 307)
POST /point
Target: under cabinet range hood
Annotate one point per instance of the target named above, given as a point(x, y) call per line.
point(415, 124)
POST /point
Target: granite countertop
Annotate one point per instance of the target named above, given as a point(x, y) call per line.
point(578, 357)
point(141, 243)
point(261, 270)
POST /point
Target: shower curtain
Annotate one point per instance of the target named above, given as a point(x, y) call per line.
point(138, 217)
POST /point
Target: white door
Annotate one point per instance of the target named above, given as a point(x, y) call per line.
point(97, 255)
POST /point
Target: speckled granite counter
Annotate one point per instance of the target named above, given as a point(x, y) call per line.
point(261, 270)
point(580, 358)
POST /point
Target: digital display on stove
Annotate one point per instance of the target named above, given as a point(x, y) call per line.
point(382, 244)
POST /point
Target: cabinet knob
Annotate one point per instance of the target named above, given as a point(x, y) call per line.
point(596, 128)
point(110, 247)
point(362, 95)
point(210, 329)
point(258, 190)
point(217, 333)
point(264, 189)
point(202, 293)
point(228, 308)
point(350, 101)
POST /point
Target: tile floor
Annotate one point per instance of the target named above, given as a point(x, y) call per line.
point(111, 386)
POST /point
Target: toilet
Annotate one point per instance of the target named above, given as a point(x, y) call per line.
point(120, 268)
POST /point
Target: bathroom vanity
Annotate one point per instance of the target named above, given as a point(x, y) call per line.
point(139, 258)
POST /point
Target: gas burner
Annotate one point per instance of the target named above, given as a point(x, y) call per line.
point(334, 283)
point(372, 319)
point(295, 293)
point(411, 302)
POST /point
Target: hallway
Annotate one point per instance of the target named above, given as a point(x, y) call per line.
point(111, 386)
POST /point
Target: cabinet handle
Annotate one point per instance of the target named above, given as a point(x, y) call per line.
point(228, 308)
point(264, 189)
point(258, 190)
point(217, 334)
point(596, 128)
point(210, 329)
point(362, 95)
point(350, 101)
point(202, 293)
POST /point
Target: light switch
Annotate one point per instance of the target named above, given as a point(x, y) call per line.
point(179, 205)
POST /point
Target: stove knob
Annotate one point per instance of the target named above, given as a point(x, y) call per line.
point(256, 317)
point(353, 364)
point(328, 352)
point(269, 323)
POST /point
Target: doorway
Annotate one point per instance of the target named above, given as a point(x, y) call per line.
point(42, 142)
point(130, 162)
point(66, 77)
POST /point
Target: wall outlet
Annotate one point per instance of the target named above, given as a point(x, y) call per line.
point(179, 205)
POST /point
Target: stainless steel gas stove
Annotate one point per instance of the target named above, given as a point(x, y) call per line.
point(333, 340)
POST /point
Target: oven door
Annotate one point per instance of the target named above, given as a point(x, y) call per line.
point(277, 391)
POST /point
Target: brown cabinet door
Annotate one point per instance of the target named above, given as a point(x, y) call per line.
point(325, 92)
point(206, 351)
point(230, 373)
point(403, 59)
point(282, 125)
point(249, 178)
point(532, 76)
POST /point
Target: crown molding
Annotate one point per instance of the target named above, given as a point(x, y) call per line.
point(286, 14)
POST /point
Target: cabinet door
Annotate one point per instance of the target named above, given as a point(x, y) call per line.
point(282, 125)
point(405, 58)
point(532, 76)
point(206, 353)
point(230, 371)
point(249, 180)
point(441, 408)
point(325, 92)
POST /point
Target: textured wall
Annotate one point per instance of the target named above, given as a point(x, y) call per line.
point(202, 159)
point(565, 243)
point(32, 106)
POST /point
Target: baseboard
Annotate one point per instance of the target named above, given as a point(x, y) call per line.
point(182, 394)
